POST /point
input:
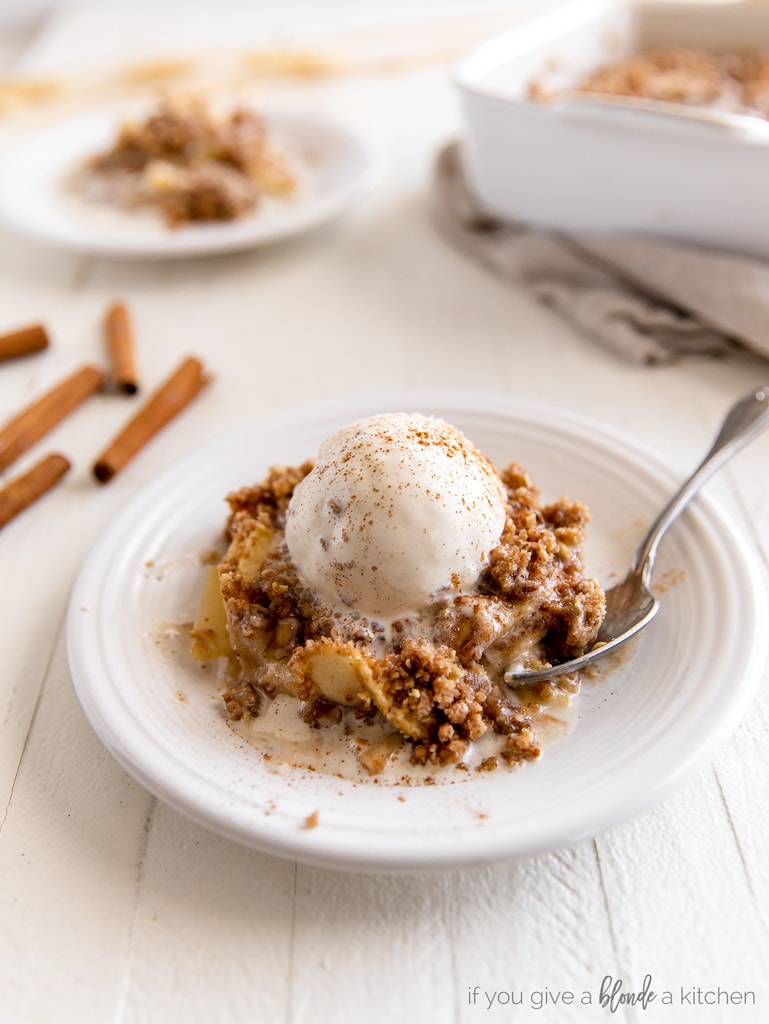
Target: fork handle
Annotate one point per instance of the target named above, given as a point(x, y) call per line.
point(744, 421)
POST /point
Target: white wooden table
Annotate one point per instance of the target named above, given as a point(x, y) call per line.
point(116, 908)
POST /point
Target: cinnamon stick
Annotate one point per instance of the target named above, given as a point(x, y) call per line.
point(23, 342)
point(121, 348)
point(42, 415)
point(168, 401)
point(26, 489)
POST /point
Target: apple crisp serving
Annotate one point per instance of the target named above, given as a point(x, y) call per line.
point(432, 676)
point(738, 82)
point(190, 165)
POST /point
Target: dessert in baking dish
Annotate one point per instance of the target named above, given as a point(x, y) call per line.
point(738, 82)
point(394, 580)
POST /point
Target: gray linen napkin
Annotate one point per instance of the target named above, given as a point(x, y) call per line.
point(651, 301)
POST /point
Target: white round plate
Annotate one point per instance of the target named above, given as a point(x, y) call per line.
point(642, 726)
point(38, 199)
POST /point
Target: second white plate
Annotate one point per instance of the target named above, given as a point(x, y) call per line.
point(643, 726)
point(37, 198)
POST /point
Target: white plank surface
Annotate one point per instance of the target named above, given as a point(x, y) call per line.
point(114, 907)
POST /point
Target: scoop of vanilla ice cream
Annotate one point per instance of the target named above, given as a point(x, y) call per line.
point(398, 509)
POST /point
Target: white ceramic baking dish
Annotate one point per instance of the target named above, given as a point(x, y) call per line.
point(591, 167)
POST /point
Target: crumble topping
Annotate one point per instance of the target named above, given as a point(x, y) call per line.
point(731, 81)
point(191, 165)
point(434, 680)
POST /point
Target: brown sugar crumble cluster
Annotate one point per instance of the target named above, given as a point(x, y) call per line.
point(436, 680)
point(732, 81)
point(191, 165)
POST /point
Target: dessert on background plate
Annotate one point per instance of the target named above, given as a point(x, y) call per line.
point(258, 174)
point(192, 164)
point(382, 590)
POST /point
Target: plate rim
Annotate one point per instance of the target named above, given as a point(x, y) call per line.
point(309, 847)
